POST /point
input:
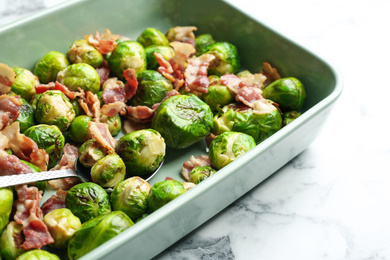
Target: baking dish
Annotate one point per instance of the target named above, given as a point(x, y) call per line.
point(25, 41)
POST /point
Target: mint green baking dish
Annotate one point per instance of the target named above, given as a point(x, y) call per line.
point(24, 42)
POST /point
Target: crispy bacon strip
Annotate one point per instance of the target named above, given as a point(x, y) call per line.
point(249, 95)
point(7, 78)
point(201, 160)
point(104, 44)
point(103, 71)
point(140, 114)
point(101, 133)
point(11, 165)
point(182, 34)
point(131, 84)
point(271, 73)
point(29, 215)
point(41, 88)
point(113, 91)
point(112, 109)
point(9, 109)
point(40, 158)
point(91, 105)
point(54, 202)
point(196, 73)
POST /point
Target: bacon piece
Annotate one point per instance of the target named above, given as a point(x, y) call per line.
point(271, 73)
point(11, 165)
point(103, 71)
point(131, 126)
point(29, 215)
point(101, 133)
point(131, 84)
point(40, 158)
point(9, 109)
point(7, 78)
point(196, 73)
point(70, 94)
point(105, 44)
point(182, 34)
point(209, 138)
point(186, 49)
point(113, 91)
point(254, 80)
point(165, 67)
point(91, 105)
point(40, 88)
point(233, 82)
point(113, 108)
point(249, 95)
point(201, 160)
point(54, 202)
point(140, 114)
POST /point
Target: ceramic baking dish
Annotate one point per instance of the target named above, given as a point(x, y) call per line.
point(24, 42)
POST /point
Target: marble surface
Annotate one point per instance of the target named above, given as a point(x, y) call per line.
point(332, 201)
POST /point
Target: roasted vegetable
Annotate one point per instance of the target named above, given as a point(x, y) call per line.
point(11, 241)
point(152, 36)
point(24, 84)
point(200, 173)
point(90, 152)
point(78, 129)
point(108, 171)
point(163, 192)
point(80, 75)
point(49, 65)
point(82, 52)
point(227, 60)
point(6, 201)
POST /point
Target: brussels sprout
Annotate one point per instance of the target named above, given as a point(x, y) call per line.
point(228, 146)
point(152, 87)
point(78, 110)
point(80, 75)
point(24, 84)
point(114, 123)
point(218, 95)
point(90, 152)
point(163, 192)
point(26, 116)
point(6, 201)
point(97, 231)
point(38, 254)
point(152, 36)
point(78, 129)
point(87, 201)
point(289, 93)
point(11, 241)
point(213, 79)
point(166, 51)
point(62, 224)
point(182, 120)
point(290, 116)
point(49, 65)
point(53, 108)
point(81, 52)
point(50, 138)
point(244, 73)
point(202, 41)
point(127, 55)
point(200, 173)
point(227, 60)
point(41, 185)
point(108, 171)
point(142, 151)
point(100, 97)
point(130, 197)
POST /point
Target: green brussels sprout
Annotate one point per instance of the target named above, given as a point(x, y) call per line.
point(78, 110)
point(108, 171)
point(53, 108)
point(49, 65)
point(142, 151)
point(163, 192)
point(202, 41)
point(166, 51)
point(183, 120)
point(100, 97)
point(90, 152)
point(11, 240)
point(38, 254)
point(26, 116)
point(152, 87)
point(114, 123)
point(62, 224)
point(87, 201)
point(130, 196)
point(218, 95)
point(82, 52)
point(227, 59)
point(127, 55)
point(244, 73)
point(50, 138)
point(78, 129)
point(259, 122)
point(152, 36)
point(41, 185)
point(97, 231)
point(24, 84)
point(290, 116)
point(289, 93)
point(80, 75)
point(213, 79)
point(6, 201)
point(228, 146)
point(200, 173)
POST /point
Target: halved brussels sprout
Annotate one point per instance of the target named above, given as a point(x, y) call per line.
point(62, 224)
point(87, 201)
point(290, 116)
point(38, 254)
point(164, 192)
point(26, 116)
point(80, 75)
point(130, 196)
point(152, 87)
point(50, 138)
point(81, 52)
point(11, 240)
point(41, 185)
point(183, 120)
point(6, 202)
point(78, 129)
point(200, 173)
point(90, 152)
point(289, 93)
point(227, 59)
point(97, 231)
point(127, 55)
point(53, 108)
point(217, 96)
point(142, 151)
point(152, 36)
point(49, 65)
point(228, 146)
point(24, 84)
point(201, 42)
point(166, 51)
point(108, 171)
point(114, 123)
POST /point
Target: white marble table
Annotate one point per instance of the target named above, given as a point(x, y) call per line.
point(333, 200)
